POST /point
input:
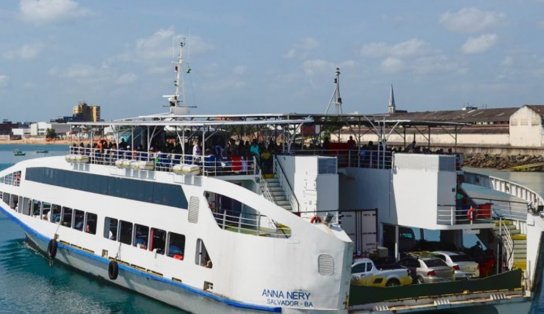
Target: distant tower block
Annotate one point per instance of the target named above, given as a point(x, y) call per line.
point(336, 99)
point(391, 107)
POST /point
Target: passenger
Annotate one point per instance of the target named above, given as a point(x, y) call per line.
point(351, 142)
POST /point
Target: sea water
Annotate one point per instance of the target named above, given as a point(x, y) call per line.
point(28, 284)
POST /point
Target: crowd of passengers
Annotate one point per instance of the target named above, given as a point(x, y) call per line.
point(168, 153)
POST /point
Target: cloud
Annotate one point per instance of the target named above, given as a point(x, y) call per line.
point(507, 61)
point(479, 44)
point(25, 52)
point(302, 49)
point(50, 11)
point(471, 20)
point(164, 44)
point(408, 48)
point(3, 80)
point(126, 79)
point(392, 65)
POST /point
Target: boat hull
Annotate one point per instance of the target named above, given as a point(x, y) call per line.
point(173, 293)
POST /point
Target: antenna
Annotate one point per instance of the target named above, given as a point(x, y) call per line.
point(336, 99)
point(175, 101)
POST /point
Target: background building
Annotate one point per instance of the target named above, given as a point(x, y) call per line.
point(85, 113)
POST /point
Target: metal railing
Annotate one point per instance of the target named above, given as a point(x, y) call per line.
point(356, 158)
point(257, 225)
point(290, 193)
point(534, 199)
point(506, 238)
point(208, 165)
point(451, 215)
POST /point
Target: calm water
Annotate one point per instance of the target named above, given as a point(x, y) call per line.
point(29, 285)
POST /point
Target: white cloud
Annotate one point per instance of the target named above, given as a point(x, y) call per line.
point(50, 11)
point(240, 70)
point(507, 61)
point(302, 49)
point(392, 65)
point(25, 52)
point(408, 48)
point(437, 63)
point(126, 79)
point(471, 20)
point(163, 44)
point(3, 80)
point(479, 44)
point(311, 67)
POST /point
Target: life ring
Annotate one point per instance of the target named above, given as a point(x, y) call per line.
point(315, 219)
point(471, 214)
point(113, 270)
point(52, 249)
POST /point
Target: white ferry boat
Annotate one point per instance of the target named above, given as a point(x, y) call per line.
point(183, 211)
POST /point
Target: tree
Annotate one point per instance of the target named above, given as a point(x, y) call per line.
point(51, 134)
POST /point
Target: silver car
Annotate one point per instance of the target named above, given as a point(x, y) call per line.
point(463, 265)
point(427, 269)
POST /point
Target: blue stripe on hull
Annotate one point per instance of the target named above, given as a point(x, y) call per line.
point(105, 261)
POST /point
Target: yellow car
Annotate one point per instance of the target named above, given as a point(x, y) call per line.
point(365, 273)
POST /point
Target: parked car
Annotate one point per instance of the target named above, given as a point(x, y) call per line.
point(426, 268)
point(365, 273)
point(463, 265)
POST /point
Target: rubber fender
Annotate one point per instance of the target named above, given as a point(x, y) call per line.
point(113, 270)
point(52, 249)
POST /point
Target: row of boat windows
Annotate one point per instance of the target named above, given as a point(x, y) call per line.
point(152, 239)
point(13, 178)
point(66, 216)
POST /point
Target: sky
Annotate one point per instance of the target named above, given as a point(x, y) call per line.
point(268, 56)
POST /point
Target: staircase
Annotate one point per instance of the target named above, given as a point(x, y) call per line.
point(515, 243)
point(274, 192)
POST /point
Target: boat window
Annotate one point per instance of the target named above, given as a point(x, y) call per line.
point(26, 206)
point(46, 209)
point(14, 202)
point(90, 223)
point(110, 228)
point(55, 216)
point(176, 245)
point(158, 240)
point(79, 216)
point(66, 217)
point(202, 257)
point(5, 198)
point(36, 207)
point(141, 236)
point(125, 232)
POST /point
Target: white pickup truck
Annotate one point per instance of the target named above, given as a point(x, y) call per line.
point(365, 273)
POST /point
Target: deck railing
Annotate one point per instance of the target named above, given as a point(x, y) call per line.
point(451, 215)
point(356, 157)
point(257, 225)
point(171, 162)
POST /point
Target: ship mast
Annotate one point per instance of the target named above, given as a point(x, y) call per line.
point(336, 99)
point(175, 101)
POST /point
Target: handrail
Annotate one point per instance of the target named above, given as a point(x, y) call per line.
point(292, 192)
point(209, 165)
point(506, 236)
